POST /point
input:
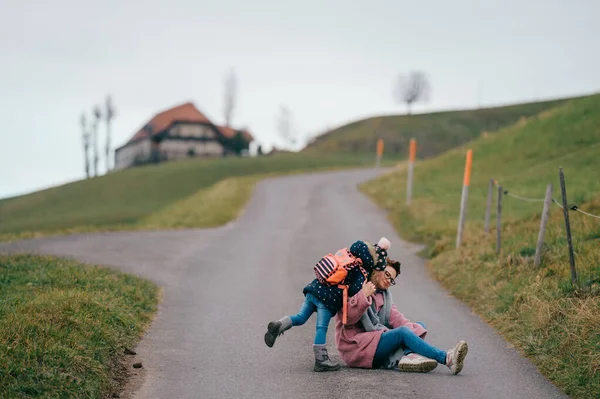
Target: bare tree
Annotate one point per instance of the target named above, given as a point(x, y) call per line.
point(230, 97)
point(284, 126)
point(412, 88)
point(109, 114)
point(86, 144)
point(97, 115)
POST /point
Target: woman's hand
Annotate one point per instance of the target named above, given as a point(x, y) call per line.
point(368, 288)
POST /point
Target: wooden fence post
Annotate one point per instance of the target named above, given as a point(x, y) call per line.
point(563, 190)
point(489, 206)
point(543, 223)
point(465, 194)
point(411, 165)
point(499, 221)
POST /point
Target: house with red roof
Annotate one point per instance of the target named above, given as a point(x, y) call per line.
point(180, 132)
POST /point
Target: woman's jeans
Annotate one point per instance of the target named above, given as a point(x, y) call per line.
point(324, 315)
point(404, 338)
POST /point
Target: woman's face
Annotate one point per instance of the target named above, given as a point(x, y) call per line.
point(383, 279)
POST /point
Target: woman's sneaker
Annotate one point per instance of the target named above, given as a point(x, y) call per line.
point(455, 357)
point(416, 363)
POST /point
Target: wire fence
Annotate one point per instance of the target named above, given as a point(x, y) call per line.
point(548, 200)
point(571, 207)
point(503, 191)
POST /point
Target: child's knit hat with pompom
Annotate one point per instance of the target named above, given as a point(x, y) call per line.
point(374, 257)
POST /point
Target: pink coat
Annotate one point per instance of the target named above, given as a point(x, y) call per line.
point(356, 346)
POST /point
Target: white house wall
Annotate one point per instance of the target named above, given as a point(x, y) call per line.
point(126, 156)
point(182, 130)
point(177, 144)
point(179, 148)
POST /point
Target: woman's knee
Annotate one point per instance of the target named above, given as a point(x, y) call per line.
point(399, 333)
point(403, 330)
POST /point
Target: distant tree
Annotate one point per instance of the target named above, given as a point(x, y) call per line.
point(412, 88)
point(284, 126)
point(86, 144)
point(239, 143)
point(230, 97)
point(259, 150)
point(109, 115)
point(97, 115)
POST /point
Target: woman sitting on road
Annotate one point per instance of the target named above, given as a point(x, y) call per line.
point(377, 335)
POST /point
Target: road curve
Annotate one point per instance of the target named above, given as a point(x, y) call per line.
point(222, 286)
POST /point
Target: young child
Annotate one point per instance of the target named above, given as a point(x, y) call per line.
point(327, 299)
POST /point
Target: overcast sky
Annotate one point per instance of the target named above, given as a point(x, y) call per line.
point(329, 62)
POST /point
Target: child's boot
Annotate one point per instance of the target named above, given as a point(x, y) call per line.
point(276, 328)
point(322, 360)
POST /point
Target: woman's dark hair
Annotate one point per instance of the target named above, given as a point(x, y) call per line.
point(394, 264)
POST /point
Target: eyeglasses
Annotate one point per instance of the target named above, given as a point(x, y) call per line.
point(389, 277)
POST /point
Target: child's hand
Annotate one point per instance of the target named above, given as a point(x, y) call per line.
point(368, 288)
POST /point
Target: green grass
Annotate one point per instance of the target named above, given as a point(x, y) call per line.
point(435, 132)
point(64, 326)
point(214, 206)
point(538, 310)
point(146, 197)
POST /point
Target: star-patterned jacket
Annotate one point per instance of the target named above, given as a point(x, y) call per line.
point(332, 296)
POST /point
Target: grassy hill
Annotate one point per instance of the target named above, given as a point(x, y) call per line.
point(538, 310)
point(435, 132)
point(170, 195)
point(64, 327)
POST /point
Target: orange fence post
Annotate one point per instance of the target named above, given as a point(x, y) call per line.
point(412, 152)
point(379, 151)
point(465, 194)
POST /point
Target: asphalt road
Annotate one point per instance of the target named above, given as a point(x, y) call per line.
point(222, 286)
